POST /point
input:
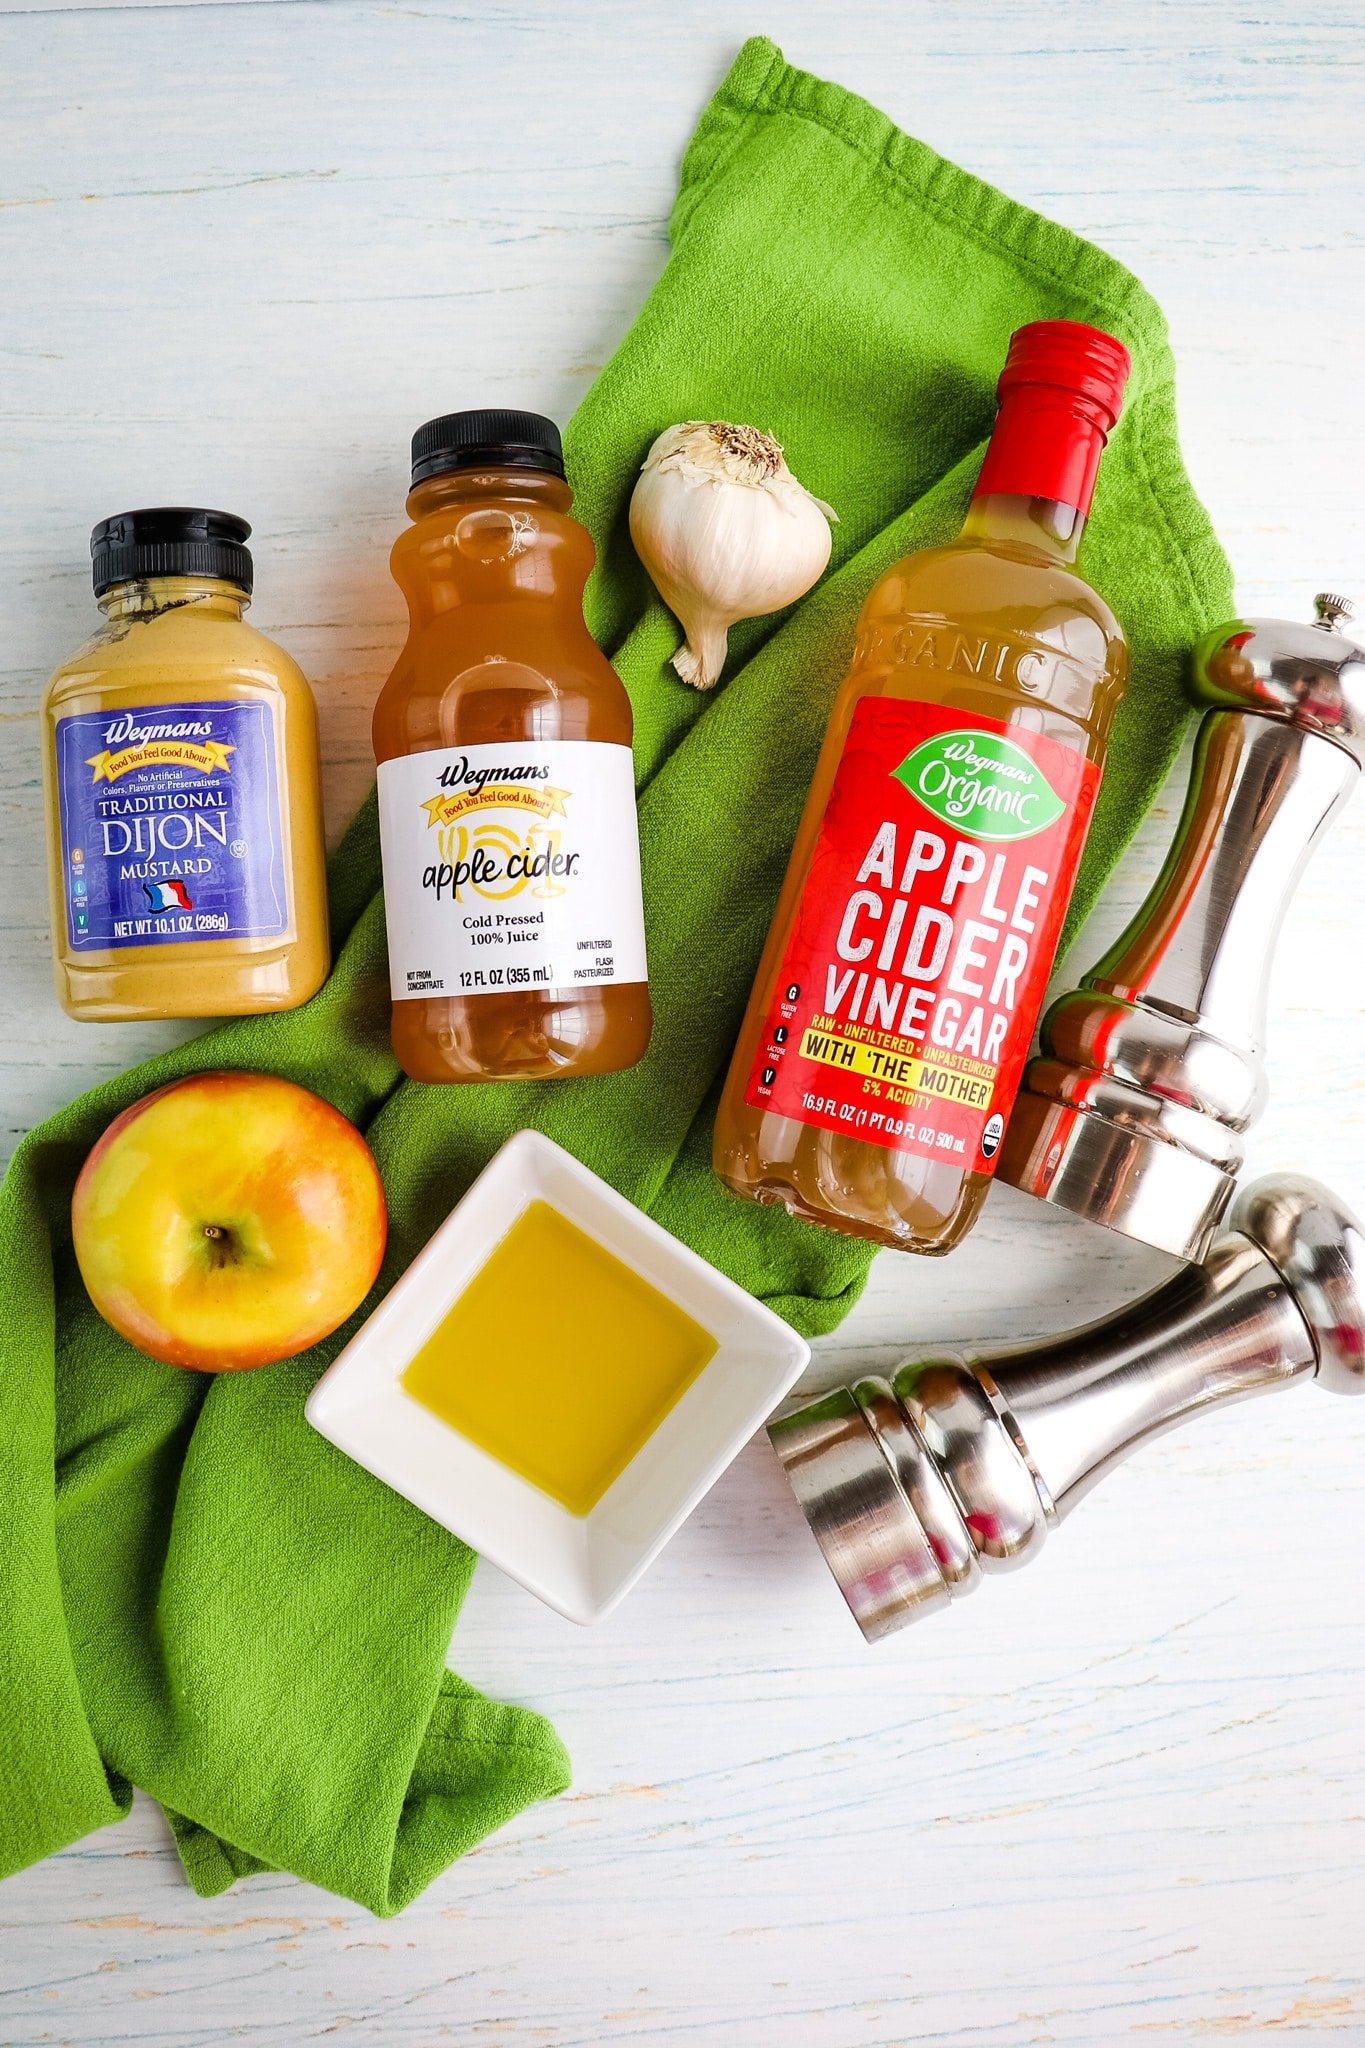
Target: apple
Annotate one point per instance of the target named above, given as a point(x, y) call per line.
point(228, 1220)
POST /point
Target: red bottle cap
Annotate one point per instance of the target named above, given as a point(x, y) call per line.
point(1060, 392)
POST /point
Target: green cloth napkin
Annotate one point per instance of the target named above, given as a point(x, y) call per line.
point(201, 1596)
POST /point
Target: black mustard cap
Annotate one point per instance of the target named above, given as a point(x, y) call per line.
point(170, 540)
point(496, 440)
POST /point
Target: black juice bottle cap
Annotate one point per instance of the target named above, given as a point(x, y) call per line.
point(170, 540)
point(486, 440)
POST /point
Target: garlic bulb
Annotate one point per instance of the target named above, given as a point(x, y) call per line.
point(726, 532)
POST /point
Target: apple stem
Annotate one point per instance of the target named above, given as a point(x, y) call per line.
point(220, 1242)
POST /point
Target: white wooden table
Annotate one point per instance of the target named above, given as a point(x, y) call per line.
point(244, 249)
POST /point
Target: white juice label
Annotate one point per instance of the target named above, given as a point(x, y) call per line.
point(511, 866)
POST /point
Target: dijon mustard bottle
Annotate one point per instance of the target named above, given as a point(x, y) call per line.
point(186, 860)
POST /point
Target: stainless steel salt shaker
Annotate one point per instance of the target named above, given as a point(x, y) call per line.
point(1151, 1071)
point(958, 1466)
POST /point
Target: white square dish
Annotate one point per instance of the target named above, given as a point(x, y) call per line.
point(580, 1564)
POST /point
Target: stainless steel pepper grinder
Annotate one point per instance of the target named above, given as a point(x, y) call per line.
point(1151, 1071)
point(959, 1464)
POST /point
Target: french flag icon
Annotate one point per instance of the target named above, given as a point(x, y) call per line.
point(168, 895)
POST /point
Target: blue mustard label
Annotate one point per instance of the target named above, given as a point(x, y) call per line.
point(170, 825)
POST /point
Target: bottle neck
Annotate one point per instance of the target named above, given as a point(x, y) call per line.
point(458, 487)
point(144, 597)
point(1045, 525)
point(1038, 476)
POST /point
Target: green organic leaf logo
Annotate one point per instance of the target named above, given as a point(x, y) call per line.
point(981, 784)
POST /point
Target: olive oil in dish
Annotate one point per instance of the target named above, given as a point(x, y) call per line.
point(557, 1389)
point(616, 1356)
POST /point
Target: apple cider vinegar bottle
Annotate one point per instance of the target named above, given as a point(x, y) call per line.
point(914, 935)
point(506, 782)
point(186, 861)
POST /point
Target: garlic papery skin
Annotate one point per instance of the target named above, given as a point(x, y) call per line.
point(726, 532)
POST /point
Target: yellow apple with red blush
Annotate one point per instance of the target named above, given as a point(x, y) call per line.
point(228, 1220)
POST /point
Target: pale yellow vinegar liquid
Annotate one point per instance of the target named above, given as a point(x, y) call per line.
point(614, 1356)
point(1008, 579)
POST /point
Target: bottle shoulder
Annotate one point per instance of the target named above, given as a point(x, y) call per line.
point(970, 580)
point(473, 552)
point(174, 652)
point(1005, 632)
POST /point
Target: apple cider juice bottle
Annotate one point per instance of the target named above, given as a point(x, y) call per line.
point(506, 784)
point(914, 935)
